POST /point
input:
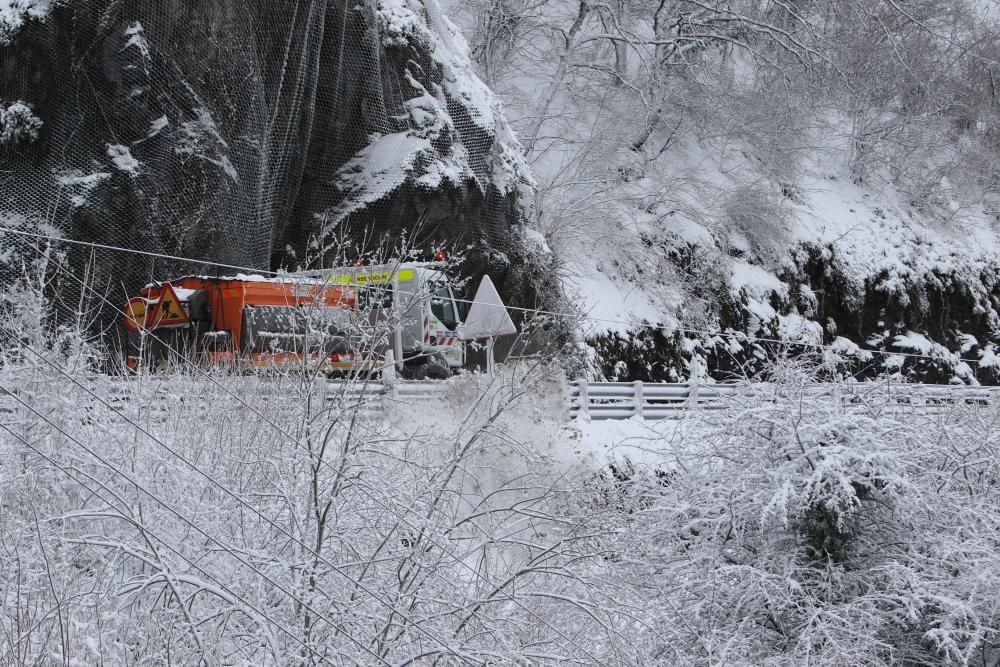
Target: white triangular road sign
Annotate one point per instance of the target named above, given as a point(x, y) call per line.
point(488, 316)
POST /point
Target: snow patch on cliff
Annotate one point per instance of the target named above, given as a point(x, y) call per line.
point(200, 138)
point(123, 160)
point(449, 120)
point(80, 185)
point(15, 13)
point(18, 123)
point(157, 126)
point(381, 167)
point(137, 39)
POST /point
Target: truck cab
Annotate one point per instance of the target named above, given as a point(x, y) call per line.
point(418, 301)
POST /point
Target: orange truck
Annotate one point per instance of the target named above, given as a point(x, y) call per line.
point(244, 320)
point(336, 320)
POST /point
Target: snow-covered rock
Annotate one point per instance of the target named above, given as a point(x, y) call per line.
point(343, 123)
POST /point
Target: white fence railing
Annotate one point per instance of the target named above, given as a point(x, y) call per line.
point(624, 400)
point(403, 389)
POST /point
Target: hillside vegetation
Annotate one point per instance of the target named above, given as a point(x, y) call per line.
point(816, 171)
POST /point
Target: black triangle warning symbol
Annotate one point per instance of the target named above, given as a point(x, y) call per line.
point(169, 311)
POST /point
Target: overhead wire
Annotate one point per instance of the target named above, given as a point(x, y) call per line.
point(320, 462)
point(739, 336)
point(228, 549)
point(144, 253)
point(229, 492)
point(237, 498)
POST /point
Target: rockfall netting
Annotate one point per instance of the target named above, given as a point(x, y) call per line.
point(262, 133)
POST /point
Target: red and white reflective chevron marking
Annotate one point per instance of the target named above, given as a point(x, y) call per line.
point(427, 328)
point(447, 338)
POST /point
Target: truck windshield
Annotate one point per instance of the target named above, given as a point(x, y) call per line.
point(443, 307)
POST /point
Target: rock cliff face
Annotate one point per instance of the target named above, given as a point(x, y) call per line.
point(254, 132)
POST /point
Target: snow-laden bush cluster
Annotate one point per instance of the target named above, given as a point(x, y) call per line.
point(15, 13)
point(197, 519)
point(18, 124)
point(795, 528)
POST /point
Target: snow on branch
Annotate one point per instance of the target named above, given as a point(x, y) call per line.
point(18, 124)
point(14, 14)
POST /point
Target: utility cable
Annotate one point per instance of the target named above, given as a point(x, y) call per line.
point(536, 311)
point(231, 551)
point(321, 462)
point(740, 337)
point(318, 461)
point(453, 556)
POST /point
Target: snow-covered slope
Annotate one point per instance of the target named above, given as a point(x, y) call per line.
point(702, 206)
point(825, 260)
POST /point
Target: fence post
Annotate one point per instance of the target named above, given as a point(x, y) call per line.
point(693, 392)
point(583, 399)
point(389, 375)
point(637, 397)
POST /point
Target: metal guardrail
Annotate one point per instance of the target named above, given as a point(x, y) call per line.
point(402, 389)
point(624, 400)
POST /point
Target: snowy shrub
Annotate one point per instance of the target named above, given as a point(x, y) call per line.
point(756, 220)
point(200, 518)
point(14, 14)
point(799, 528)
point(209, 518)
point(18, 124)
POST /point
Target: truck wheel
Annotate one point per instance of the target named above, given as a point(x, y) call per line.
point(434, 368)
point(438, 368)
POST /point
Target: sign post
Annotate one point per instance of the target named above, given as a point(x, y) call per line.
point(488, 318)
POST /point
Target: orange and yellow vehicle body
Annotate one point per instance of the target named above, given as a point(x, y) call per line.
point(249, 321)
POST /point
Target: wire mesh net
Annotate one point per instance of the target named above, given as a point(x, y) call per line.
point(260, 133)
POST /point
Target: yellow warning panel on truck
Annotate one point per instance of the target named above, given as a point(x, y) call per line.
point(168, 312)
point(376, 278)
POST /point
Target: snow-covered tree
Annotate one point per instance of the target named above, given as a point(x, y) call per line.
point(810, 524)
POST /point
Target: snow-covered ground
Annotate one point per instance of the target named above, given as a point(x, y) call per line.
point(871, 233)
point(645, 443)
point(141, 512)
